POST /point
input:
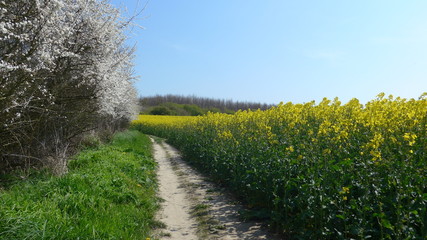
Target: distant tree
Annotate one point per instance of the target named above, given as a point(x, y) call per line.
point(193, 109)
point(160, 110)
point(206, 103)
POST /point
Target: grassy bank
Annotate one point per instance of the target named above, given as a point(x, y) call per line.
point(108, 193)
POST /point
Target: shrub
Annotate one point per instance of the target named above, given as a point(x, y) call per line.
point(160, 110)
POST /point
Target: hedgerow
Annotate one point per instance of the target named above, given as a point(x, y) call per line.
point(64, 70)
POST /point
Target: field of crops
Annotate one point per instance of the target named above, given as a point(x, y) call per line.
point(327, 170)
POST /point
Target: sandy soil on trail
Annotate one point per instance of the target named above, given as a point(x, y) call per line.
point(183, 190)
point(175, 208)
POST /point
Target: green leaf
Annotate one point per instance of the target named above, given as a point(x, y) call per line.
point(386, 224)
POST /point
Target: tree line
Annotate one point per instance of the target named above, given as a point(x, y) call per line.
point(65, 71)
point(202, 102)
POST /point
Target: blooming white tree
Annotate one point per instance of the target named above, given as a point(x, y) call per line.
point(64, 67)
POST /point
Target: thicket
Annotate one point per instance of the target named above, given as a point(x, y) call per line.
point(65, 70)
point(175, 109)
point(326, 171)
point(109, 193)
point(210, 104)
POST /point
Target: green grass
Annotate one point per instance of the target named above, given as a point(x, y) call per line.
point(108, 193)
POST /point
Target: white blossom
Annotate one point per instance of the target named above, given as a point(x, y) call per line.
point(63, 59)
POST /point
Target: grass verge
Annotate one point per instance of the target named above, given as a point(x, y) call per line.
point(108, 193)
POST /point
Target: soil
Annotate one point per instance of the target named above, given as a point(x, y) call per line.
point(194, 208)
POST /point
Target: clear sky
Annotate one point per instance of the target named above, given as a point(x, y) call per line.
point(276, 50)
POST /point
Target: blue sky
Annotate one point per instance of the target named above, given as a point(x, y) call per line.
point(275, 50)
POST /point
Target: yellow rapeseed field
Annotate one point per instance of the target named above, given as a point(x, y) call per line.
point(327, 170)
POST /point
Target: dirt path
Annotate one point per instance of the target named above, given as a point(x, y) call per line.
point(175, 208)
point(194, 208)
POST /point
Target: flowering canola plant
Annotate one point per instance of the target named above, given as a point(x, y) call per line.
point(331, 170)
